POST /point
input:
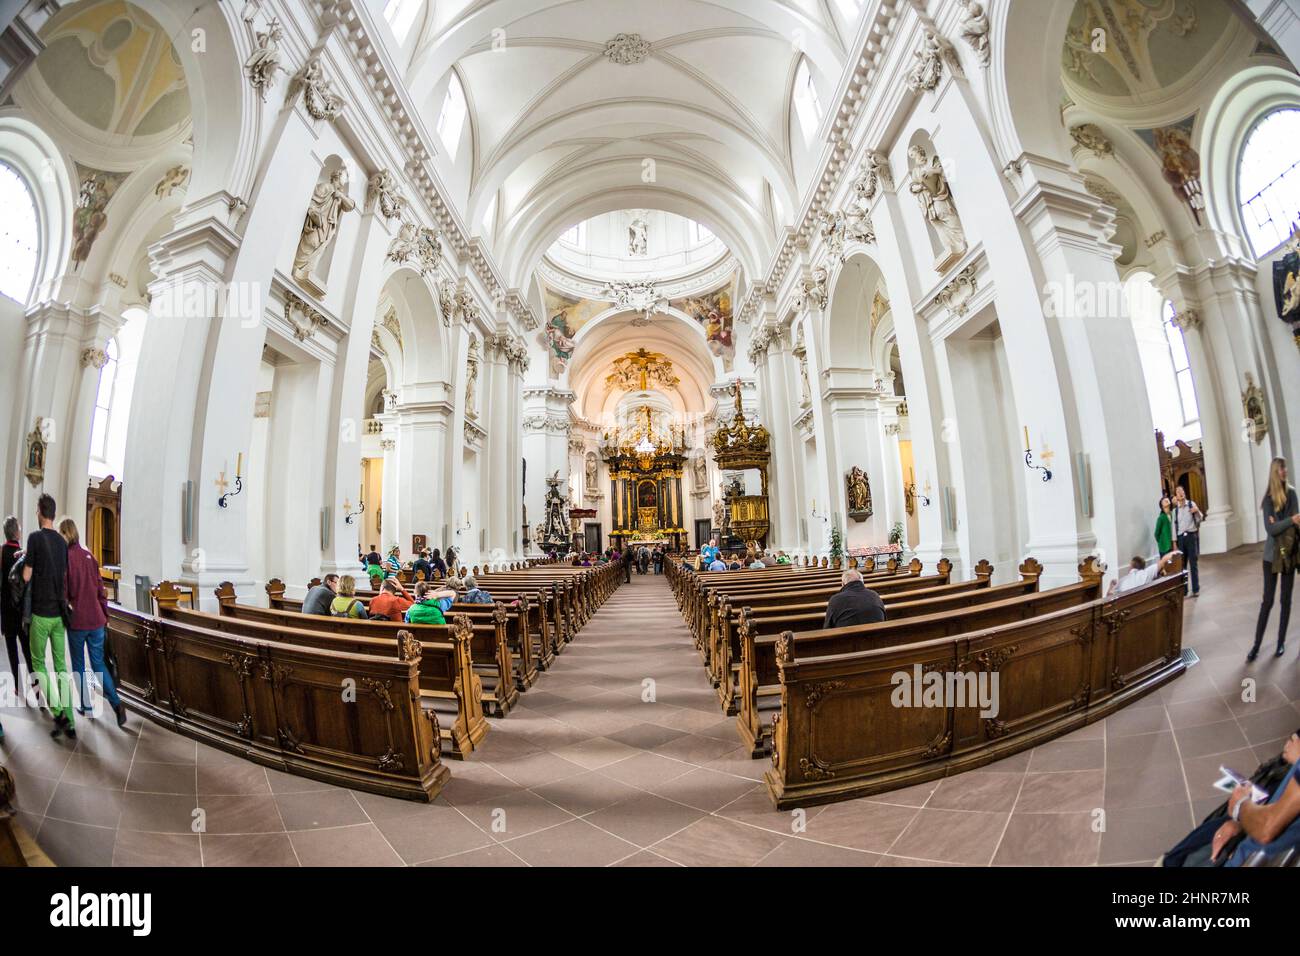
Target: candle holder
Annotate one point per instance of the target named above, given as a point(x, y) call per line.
point(915, 495)
point(224, 500)
point(349, 516)
point(1029, 462)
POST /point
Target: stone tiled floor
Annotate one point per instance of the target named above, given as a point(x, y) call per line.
point(588, 772)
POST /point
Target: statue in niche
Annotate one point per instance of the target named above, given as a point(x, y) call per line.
point(859, 493)
point(700, 468)
point(637, 242)
point(591, 472)
point(329, 200)
point(930, 187)
point(471, 381)
point(1252, 407)
point(718, 514)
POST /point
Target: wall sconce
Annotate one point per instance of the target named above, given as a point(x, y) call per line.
point(816, 513)
point(221, 483)
point(463, 527)
point(348, 516)
point(1029, 458)
point(913, 495)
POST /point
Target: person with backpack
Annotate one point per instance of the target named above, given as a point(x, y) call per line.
point(45, 569)
point(11, 604)
point(345, 603)
point(88, 625)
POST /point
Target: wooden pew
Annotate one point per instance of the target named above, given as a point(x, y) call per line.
point(490, 650)
point(723, 649)
point(516, 621)
point(704, 599)
point(886, 585)
point(447, 680)
point(841, 732)
point(281, 705)
point(908, 622)
point(541, 605)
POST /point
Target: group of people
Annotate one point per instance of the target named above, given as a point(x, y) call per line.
point(712, 559)
point(53, 605)
point(379, 568)
point(336, 596)
point(1177, 532)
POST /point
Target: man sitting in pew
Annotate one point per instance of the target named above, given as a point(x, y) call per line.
point(1141, 572)
point(391, 603)
point(429, 604)
point(854, 604)
point(320, 597)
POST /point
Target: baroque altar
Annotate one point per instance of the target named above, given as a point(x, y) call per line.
point(645, 471)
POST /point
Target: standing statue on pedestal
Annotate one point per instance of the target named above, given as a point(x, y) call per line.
point(329, 200)
point(555, 527)
point(930, 187)
point(471, 380)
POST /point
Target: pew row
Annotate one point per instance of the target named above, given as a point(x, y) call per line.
point(282, 705)
point(714, 621)
point(908, 622)
point(448, 683)
point(853, 724)
point(528, 648)
point(491, 658)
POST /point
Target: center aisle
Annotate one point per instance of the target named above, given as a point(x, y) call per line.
point(620, 754)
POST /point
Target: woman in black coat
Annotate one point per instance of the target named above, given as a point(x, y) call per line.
point(1281, 547)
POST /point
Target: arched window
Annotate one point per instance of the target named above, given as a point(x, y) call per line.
point(1268, 187)
point(113, 398)
point(19, 236)
point(1182, 367)
point(451, 118)
point(400, 15)
point(806, 105)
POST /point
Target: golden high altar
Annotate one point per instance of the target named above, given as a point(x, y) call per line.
point(645, 470)
point(739, 446)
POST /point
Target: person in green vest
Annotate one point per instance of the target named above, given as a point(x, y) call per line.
point(429, 604)
point(1165, 527)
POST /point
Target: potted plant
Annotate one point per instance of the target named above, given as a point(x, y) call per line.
point(896, 533)
point(837, 547)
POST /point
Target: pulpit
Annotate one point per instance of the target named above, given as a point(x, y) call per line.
point(738, 446)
